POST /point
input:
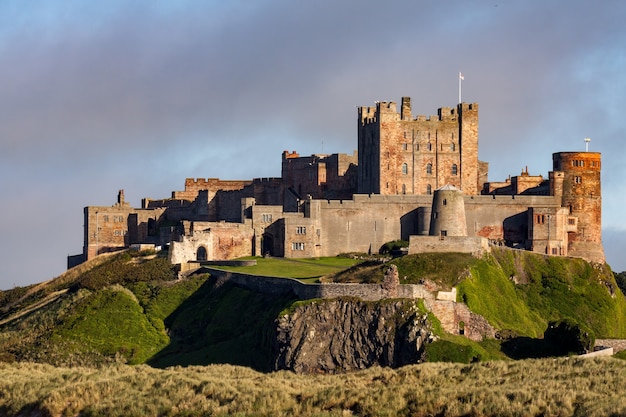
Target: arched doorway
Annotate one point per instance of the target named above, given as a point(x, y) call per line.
point(201, 254)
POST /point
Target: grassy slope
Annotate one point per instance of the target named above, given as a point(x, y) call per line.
point(91, 321)
point(95, 321)
point(549, 288)
point(222, 325)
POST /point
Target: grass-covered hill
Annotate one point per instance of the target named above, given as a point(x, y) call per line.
point(133, 308)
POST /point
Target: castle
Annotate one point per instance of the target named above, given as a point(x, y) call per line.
point(412, 178)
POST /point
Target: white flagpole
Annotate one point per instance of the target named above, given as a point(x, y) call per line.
point(461, 78)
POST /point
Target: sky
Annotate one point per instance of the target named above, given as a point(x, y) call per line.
point(101, 96)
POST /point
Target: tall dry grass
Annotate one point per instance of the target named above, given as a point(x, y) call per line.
point(555, 387)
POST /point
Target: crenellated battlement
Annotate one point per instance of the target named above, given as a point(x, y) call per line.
point(369, 115)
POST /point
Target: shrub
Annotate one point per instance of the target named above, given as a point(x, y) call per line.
point(566, 336)
point(392, 246)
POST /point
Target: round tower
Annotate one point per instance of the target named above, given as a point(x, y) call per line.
point(581, 193)
point(448, 213)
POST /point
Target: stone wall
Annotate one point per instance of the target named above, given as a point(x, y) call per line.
point(213, 185)
point(432, 244)
point(284, 286)
point(366, 222)
point(320, 175)
point(217, 241)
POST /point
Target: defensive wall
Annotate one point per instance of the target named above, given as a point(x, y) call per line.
point(503, 216)
point(366, 222)
point(194, 185)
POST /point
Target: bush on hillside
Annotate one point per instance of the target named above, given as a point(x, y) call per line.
point(393, 246)
point(566, 336)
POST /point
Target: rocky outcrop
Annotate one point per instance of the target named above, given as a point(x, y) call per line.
point(329, 336)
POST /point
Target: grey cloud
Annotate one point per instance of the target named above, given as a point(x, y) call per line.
point(150, 94)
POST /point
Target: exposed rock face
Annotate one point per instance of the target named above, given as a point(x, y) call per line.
point(347, 334)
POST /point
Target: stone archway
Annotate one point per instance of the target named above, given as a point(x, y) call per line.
point(201, 254)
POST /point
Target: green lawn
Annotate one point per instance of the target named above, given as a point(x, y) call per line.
point(308, 270)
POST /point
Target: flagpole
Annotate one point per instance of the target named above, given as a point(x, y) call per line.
point(460, 79)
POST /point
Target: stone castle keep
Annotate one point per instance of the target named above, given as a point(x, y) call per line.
point(412, 178)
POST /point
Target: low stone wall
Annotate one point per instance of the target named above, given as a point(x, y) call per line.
point(602, 352)
point(617, 344)
point(284, 286)
point(464, 244)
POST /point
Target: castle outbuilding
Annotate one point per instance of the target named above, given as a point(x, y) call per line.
point(412, 178)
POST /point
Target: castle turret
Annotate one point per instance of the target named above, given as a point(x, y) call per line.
point(580, 192)
point(448, 213)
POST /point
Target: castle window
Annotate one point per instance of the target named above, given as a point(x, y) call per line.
point(445, 202)
point(430, 146)
point(267, 218)
point(105, 218)
point(403, 188)
point(555, 251)
point(571, 221)
point(429, 189)
point(417, 146)
point(455, 169)
point(540, 219)
point(297, 246)
point(301, 230)
point(405, 146)
point(405, 169)
point(452, 147)
point(578, 180)
point(429, 169)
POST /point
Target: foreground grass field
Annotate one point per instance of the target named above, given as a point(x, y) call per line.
point(555, 387)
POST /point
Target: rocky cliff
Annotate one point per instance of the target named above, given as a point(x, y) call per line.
point(327, 336)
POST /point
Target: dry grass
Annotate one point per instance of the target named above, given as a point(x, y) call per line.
point(555, 387)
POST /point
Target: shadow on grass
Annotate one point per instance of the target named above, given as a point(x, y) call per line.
point(222, 324)
point(526, 348)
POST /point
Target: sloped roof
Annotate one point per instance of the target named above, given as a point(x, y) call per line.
point(448, 187)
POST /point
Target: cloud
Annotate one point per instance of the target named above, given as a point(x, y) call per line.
point(101, 96)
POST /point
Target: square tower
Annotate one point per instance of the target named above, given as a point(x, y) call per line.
point(399, 154)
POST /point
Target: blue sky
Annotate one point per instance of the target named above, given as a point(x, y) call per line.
point(101, 96)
